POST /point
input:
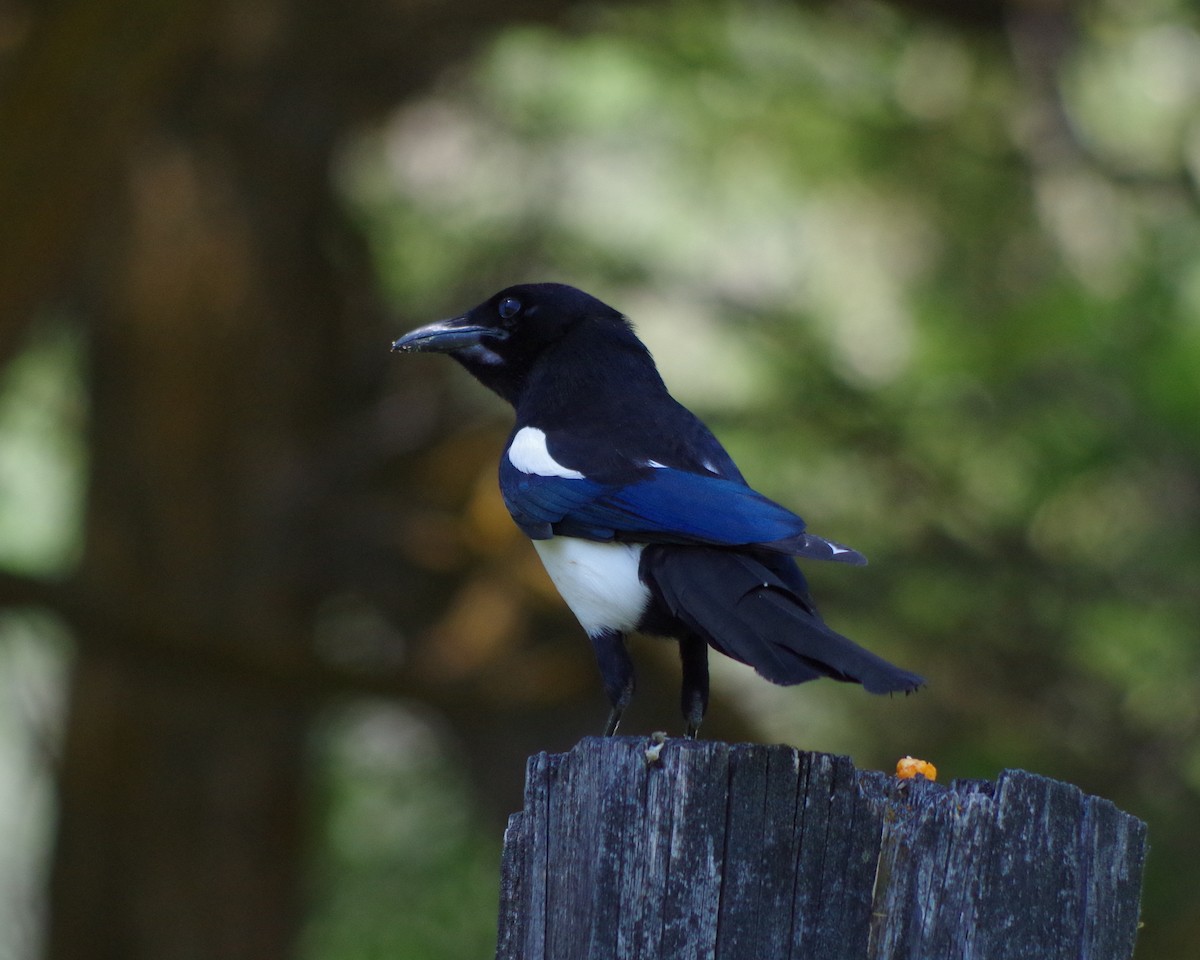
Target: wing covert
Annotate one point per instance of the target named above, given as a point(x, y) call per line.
point(661, 506)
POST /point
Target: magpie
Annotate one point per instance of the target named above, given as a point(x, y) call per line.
point(640, 517)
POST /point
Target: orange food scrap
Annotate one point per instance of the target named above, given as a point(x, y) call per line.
point(909, 767)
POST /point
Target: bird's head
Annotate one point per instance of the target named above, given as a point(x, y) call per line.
point(501, 339)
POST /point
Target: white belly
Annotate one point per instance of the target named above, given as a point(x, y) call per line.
point(599, 581)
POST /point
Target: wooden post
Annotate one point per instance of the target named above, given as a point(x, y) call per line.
point(633, 848)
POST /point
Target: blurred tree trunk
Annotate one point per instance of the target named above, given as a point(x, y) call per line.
point(213, 347)
point(214, 341)
point(80, 78)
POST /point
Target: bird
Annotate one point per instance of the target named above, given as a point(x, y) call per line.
point(639, 515)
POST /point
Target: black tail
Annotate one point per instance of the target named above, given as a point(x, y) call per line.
point(757, 610)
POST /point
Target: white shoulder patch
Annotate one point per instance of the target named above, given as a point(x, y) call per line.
point(528, 453)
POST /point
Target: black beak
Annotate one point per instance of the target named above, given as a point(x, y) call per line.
point(445, 336)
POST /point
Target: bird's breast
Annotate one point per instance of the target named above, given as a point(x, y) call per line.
point(599, 581)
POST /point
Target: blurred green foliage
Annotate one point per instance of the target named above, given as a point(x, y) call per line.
point(42, 453)
point(948, 310)
point(407, 871)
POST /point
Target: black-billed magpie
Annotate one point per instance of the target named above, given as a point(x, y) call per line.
point(639, 515)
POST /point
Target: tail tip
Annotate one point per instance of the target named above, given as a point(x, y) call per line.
point(900, 682)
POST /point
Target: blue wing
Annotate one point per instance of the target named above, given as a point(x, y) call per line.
point(661, 505)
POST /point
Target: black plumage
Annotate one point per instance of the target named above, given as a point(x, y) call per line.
point(642, 519)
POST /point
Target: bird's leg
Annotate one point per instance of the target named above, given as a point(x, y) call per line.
point(693, 653)
point(616, 672)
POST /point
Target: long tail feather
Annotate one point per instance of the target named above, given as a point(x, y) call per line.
point(743, 606)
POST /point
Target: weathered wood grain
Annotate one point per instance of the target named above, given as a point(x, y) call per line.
point(632, 848)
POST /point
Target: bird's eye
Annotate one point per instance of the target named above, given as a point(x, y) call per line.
point(509, 308)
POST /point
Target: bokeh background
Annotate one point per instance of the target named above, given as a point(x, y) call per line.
point(272, 655)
